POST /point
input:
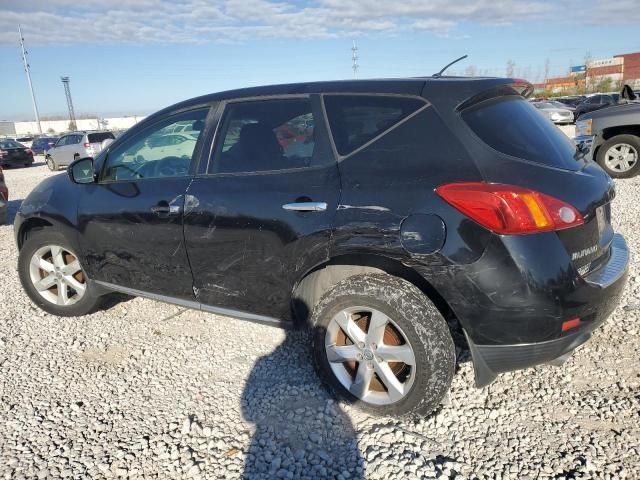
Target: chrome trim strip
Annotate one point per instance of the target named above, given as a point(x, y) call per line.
point(305, 206)
point(192, 304)
point(615, 268)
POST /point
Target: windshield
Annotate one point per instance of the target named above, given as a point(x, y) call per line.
point(512, 126)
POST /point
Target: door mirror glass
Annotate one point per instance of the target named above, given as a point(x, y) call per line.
point(81, 171)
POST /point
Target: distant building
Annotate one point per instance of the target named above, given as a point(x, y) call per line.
point(7, 129)
point(61, 126)
point(605, 73)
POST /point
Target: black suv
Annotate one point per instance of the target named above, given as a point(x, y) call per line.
point(384, 214)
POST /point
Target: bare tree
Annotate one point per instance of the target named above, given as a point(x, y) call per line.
point(547, 67)
point(471, 71)
point(511, 65)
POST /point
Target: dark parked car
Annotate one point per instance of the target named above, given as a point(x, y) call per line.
point(572, 101)
point(4, 199)
point(42, 144)
point(13, 153)
point(384, 214)
point(613, 138)
point(596, 102)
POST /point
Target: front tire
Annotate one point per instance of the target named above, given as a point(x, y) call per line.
point(51, 164)
point(382, 345)
point(51, 274)
point(620, 156)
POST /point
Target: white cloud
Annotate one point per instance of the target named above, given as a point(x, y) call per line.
point(184, 21)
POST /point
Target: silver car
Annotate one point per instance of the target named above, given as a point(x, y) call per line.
point(555, 113)
point(76, 145)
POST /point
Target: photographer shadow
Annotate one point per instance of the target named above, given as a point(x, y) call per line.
point(300, 432)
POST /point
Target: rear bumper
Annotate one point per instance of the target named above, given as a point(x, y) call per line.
point(604, 286)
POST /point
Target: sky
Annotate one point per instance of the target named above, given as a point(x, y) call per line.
point(129, 57)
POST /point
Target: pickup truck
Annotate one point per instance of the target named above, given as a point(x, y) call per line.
point(613, 137)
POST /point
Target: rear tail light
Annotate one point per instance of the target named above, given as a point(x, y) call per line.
point(507, 209)
point(87, 145)
point(28, 151)
point(3, 153)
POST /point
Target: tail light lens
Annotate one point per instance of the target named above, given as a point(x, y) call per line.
point(28, 151)
point(87, 145)
point(508, 209)
point(3, 153)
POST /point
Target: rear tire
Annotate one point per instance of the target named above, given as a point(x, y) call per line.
point(620, 156)
point(51, 274)
point(405, 362)
point(51, 164)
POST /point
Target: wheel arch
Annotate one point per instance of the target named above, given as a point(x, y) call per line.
point(611, 132)
point(30, 225)
point(314, 283)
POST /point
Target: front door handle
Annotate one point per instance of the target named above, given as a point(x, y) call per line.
point(305, 206)
point(163, 208)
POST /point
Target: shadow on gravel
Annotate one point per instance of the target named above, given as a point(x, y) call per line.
point(300, 431)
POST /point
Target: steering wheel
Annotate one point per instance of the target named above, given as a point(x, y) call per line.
point(173, 167)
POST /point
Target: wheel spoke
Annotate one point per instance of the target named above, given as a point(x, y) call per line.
point(360, 386)
point(394, 387)
point(56, 256)
point(624, 149)
point(396, 353)
point(45, 283)
point(342, 353)
point(377, 325)
point(41, 263)
point(71, 268)
point(63, 293)
point(75, 284)
point(353, 331)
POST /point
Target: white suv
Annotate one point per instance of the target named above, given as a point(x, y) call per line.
point(76, 145)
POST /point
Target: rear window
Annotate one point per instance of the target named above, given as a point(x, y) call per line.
point(10, 144)
point(357, 119)
point(511, 125)
point(99, 137)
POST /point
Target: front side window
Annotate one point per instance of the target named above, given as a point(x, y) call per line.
point(266, 135)
point(358, 119)
point(156, 151)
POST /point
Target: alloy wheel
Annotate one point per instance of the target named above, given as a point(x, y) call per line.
point(57, 276)
point(621, 157)
point(370, 355)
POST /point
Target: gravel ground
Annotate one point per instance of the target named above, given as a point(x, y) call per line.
point(149, 390)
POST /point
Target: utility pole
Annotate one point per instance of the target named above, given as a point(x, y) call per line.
point(28, 71)
point(354, 59)
point(72, 114)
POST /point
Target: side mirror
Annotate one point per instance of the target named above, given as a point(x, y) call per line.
point(81, 171)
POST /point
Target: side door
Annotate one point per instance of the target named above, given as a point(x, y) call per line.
point(131, 219)
point(262, 213)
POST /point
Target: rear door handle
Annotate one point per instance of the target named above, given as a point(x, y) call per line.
point(305, 206)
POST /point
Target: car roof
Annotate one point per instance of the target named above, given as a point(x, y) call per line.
point(464, 87)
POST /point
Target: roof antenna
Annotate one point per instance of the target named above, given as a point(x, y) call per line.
point(439, 74)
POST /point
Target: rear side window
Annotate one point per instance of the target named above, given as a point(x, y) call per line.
point(266, 135)
point(358, 119)
point(99, 137)
point(511, 125)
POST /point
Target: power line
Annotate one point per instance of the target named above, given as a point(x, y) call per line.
point(354, 59)
point(72, 114)
point(28, 71)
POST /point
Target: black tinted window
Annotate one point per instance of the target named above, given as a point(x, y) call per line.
point(99, 137)
point(266, 135)
point(357, 119)
point(512, 126)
